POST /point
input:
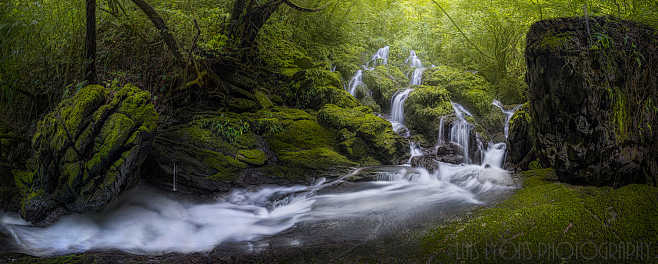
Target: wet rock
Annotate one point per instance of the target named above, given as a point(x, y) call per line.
point(86, 152)
point(450, 153)
point(593, 99)
point(426, 161)
point(215, 152)
point(521, 139)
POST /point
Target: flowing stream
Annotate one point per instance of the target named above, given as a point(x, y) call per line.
point(363, 205)
point(147, 221)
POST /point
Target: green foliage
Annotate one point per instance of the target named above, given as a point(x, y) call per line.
point(228, 129)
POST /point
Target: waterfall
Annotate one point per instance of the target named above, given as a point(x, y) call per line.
point(417, 76)
point(508, 114)
point(382, 54)
point(413, 60)
point(459, 134)
point(414, 150)
point(397, 109)
point(439, 141)
point(495, 155)
point(355, 82)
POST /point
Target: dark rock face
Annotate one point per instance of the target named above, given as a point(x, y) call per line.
point(593, 100)
point(86, 152)
point(520, 139)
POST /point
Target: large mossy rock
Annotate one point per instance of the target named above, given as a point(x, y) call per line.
point(466, 88)
point(218, 151)
point(86, 152)
point(474, 93)
point(594, 99)
point(521, 138)
point(363, 136)
point(383, 82)
point(423, 111)
point(313, 88)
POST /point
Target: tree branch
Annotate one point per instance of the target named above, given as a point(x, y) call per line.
point(462, 32)
point(304, 9)
point(159, 23)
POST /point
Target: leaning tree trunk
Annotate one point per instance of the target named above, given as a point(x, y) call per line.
point(90, 43)
point(159, 23)
point(247, 19)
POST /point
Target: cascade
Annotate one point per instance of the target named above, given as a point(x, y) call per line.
point(459, 134)
point(439, 141)
point(413, 60)
point(355, 82)
point(397, 109)
point(508, 114)
point(382, 54)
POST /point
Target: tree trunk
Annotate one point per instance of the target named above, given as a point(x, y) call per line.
point(90, 43)
point(159, 23)
point(247, 19)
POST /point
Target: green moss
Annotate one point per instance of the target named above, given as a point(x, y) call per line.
point(383, 82)
point(71, 158)
point(548, 213)
point(621, 117)
point(75, 111)
point(424, 108)
point(314, 88)
point(263, 99)
point(466, 88)
point(301, 135)
point(254, 157)
point(557, 41)
point(243, 105)
point(318, 158)
point(223, 168)
point(383, 144)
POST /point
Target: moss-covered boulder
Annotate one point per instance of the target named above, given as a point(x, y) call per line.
point(364, 136)
point(466, 88)
point(218, 151)
point(313, 88)
point(424, 108)
point(521, 138)
point(383, 82)
point(594, 96)
point(86, 152)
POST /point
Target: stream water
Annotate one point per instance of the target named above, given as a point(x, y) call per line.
point(364, 205)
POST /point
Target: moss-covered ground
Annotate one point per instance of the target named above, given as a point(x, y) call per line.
point(548, 221)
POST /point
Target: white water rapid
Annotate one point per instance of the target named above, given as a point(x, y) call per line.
point(146, 221)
